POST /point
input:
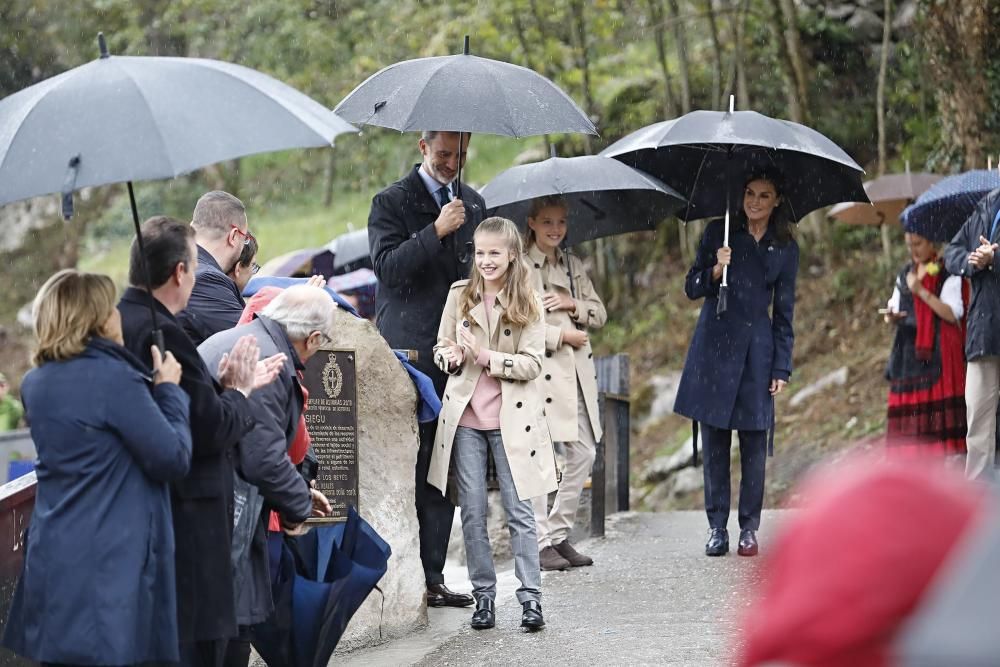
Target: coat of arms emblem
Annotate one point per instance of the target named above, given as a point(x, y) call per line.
point(333, 377)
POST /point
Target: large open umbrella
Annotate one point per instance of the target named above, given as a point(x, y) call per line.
point(463, 93)
point(350, 252)
point(702, 153)
point(889, 195)
point(605, 196)
point(941, 211)
point(123, 119)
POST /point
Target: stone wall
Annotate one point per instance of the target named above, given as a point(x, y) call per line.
point(387, 452)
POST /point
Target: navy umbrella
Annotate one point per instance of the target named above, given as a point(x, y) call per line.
point(123, 119)
point(940, 212)
point(321, 580)
point(605, 196)
point(702, 153)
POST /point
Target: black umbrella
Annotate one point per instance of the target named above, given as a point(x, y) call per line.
point(700, 154)
point(122, 119)
point(350, 252)
point(463, 93)
point(605, 196)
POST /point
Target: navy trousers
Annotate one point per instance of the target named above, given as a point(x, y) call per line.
point(716, 444)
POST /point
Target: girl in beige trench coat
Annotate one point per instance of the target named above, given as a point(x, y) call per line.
point(568, 382)
point(490, 342)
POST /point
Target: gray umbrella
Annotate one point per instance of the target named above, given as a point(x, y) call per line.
point(464, 93)
point(349, 249)
point(122, 119)
point(605, 196)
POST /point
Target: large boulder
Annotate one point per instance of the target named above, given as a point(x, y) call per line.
point(387, 453)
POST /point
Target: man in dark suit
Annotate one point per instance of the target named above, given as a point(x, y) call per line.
point(420, 234)
point(220, 416)
point(221, 233)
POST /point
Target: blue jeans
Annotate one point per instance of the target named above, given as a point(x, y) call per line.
point(469, 456)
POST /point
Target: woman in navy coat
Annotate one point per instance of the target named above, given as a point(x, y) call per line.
point(739, 360)
point(98, 581)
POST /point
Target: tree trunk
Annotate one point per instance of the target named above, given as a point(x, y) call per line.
point(583, 62)
point(793, 39)
point(716, 55)
point(682, 54)
point(659, 38)
point(795, 108)
point(883, 66)
point(957, 37)
point(329, 176)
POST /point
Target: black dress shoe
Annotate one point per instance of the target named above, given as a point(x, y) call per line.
point(531, 617)
point(748, 543)
point(438, 595)
point(718, 543)
point(484, 617)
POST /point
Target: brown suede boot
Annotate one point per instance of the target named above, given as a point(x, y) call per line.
point(574, 557)
point(549, 559)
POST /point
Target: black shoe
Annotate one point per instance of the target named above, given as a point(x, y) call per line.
point(438, 595)
point(484, 617)
point(718, 543)
point(531, 617)
point(748, 543)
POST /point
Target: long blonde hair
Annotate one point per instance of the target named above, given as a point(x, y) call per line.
point(522, 308)
point(71, 308)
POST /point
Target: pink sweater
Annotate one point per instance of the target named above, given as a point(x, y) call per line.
point(483, 411)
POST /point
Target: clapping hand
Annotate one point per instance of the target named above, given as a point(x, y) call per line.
point(238, 367)
point(982, 256)
point(316, 281)
point(451, 352)
point(469, 342)
point(268, 369)
point(556, 301)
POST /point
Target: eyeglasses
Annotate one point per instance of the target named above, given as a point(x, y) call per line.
point(254, 268)
point(324, 336)
point(245, 234)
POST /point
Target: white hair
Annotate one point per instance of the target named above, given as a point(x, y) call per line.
point(301, 310)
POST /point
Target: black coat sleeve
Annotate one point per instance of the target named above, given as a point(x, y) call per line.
point(956, 254)
point(397, 255)
point(699, 284)
point(782, 313)
point(219, 418)
point(263, 454)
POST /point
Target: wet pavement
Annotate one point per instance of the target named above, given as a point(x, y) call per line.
point(652, 597)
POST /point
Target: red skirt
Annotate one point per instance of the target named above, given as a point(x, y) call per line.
point(932, 421)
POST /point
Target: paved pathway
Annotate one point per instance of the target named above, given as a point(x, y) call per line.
point(651, 598)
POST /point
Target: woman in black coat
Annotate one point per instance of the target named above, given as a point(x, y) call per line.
point(739, 360)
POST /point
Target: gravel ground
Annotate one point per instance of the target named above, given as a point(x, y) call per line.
point(652, 597)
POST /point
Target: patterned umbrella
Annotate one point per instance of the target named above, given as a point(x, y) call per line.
point(940, 212)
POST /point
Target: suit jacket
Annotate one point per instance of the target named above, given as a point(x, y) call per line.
point(263, 455)
point(202, 502)
point(215, 304)
point(415, 270)
point(982, 336)
point(734, 357)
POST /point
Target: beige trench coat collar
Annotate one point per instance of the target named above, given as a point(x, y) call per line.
point(554, 274)
point(478, 315)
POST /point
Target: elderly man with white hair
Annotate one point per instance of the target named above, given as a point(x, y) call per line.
point(296, 324)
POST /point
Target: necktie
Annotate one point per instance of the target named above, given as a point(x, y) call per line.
point(993, 229)
point(443, 196)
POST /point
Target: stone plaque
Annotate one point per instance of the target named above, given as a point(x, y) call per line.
point(332, 419)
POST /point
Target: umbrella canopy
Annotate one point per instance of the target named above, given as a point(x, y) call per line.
point(350, 250)
point(889, 195)
point(463, 93)
point(605, 196)
point(941, 211)
point(127, 118)
point(698, 153)
point(290, 263)
point(324, 577)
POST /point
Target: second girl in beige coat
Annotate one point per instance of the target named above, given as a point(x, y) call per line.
point(568, 382)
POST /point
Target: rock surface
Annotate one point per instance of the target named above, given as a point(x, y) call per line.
point(387, 448)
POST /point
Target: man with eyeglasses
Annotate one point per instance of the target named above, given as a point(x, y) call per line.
point(420, 236)
point(222, 235)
